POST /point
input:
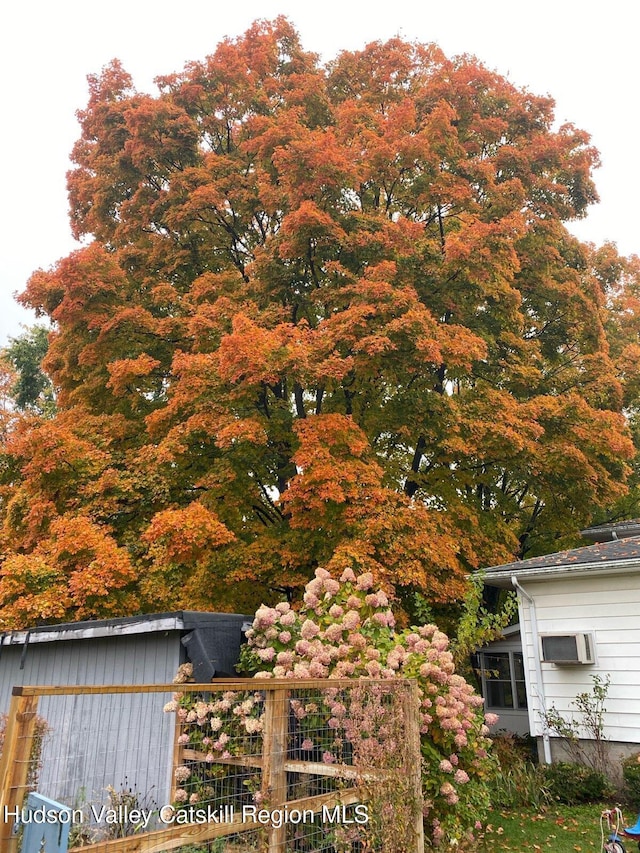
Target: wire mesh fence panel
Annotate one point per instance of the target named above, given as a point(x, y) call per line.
point(106, 748)
point(248, 765)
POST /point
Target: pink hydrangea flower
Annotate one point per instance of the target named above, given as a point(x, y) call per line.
point(302, 647)
point(310, 599)
point(182, 773)
point(267, 654)
point(288, 619)
point(265, 616)
point(351, 620)
point(333, 632)
point(331, 586)
point(308, 630)
point(365, 581)
point(335, 637)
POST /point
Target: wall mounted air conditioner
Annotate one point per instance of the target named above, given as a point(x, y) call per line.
point(567, 649)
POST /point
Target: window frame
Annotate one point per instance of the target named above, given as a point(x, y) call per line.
point(513, 681)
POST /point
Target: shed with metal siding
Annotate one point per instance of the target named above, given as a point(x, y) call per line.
point(131, 739)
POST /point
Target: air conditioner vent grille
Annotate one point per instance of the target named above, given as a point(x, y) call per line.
point(567, 649)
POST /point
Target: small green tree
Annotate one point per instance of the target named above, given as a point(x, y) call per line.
point(584, 738)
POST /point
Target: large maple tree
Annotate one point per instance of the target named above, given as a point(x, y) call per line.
point(329, 315)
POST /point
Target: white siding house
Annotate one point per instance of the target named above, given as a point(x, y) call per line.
point(587, 602)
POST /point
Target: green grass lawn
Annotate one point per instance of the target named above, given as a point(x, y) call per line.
point(562, 829)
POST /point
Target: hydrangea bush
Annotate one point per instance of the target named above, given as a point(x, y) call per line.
point(346, 629)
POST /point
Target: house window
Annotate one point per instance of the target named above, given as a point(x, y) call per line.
point(503, 684)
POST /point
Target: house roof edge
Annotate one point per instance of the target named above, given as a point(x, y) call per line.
point(502, 578)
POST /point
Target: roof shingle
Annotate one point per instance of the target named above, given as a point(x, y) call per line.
point(602, 552)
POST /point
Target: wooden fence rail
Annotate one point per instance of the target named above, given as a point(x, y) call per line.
point(273, 762)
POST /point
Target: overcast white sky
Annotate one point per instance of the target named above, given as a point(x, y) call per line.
point(585, 56)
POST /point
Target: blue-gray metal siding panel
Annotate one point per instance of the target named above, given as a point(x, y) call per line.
point(119, 740)
point(134, 659)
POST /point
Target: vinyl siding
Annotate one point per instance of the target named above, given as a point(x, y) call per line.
point(609, 608)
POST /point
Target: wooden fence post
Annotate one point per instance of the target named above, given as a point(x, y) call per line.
point(412, 729)
point(274, 753)
point(14, 765)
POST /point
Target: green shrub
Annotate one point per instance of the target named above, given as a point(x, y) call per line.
point(575, 783)
point(631, 778)
point(520, 786)
point(519, 781)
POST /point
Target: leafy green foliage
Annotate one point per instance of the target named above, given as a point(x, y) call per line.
point(631, 779)
point(576, 783)
point(32, 389)
point(477, 626)
point(522, 785)
point(520, 780)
